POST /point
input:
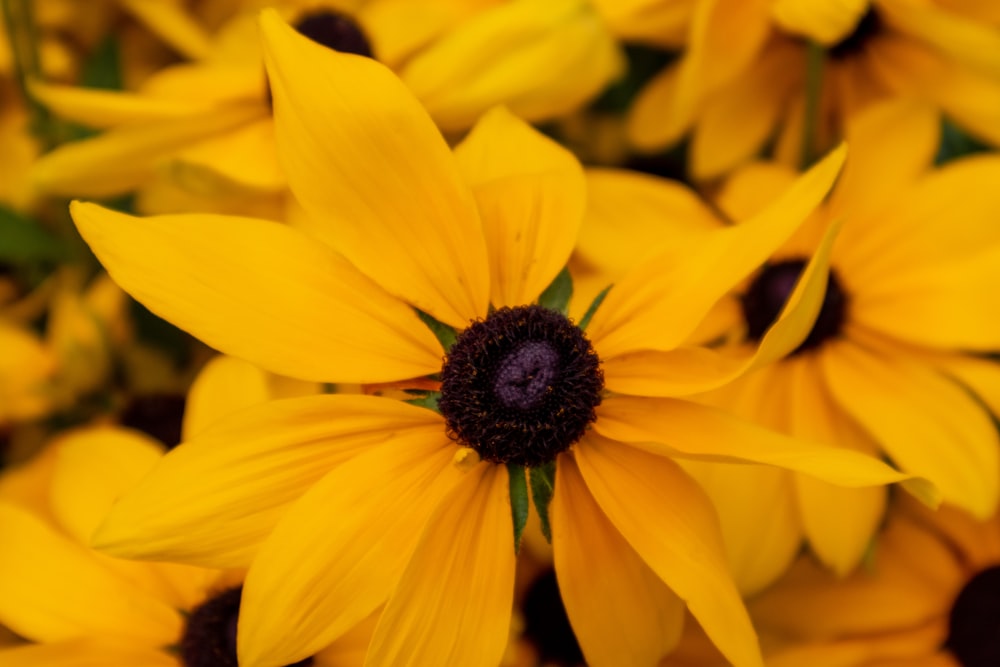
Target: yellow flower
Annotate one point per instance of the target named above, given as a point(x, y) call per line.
point(339, 504)
point(742, 80)
point(207, 125)
point(78, 606)
point(896, 347)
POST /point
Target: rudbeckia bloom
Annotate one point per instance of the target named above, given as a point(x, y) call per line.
point(410, 254)
point(207, 125)
point(930, 597)
point(76, 605)
point(742, 80)
point(898, 344)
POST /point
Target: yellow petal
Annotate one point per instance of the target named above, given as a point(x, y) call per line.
point(540, 59)
point(927, 424)
point(982, 375)
point(338, 552)
point(892, 144)
point(262, 291)
point(626, 615)
point(760, 526)
point(224, 386)
point(212, 500)
point(735, 124)
point(86, 652)
point(401, 213)
point(632, 216)
point(824, 21)
point(648, 125)
point(246, 156)
point(453, 603)
point(840, 539)
point(690, 370)
point(25, 367)
point(530, 193)
point(122, 159)
point(657, 306)
point(105, 108)
point(683, 546)
point(672, 427)
point(52, 589)
point(94, 467)
point(647, 21)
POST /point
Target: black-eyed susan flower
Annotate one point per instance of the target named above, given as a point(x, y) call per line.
point(76, 606)
point(409, 255)
point(898, 345)
point(742, 82)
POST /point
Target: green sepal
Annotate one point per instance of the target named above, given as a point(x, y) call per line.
point(518, 501)
point(444, 333)
point(594, 305)
point(557, 295)
point(428, 400)
point(543, 483)
point(23, 240)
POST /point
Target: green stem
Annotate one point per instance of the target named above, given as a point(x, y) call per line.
point(815, 55)
point(22, 34)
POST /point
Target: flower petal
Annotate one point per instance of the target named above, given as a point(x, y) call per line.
point(173, 25)
point(360, 151)
point(52, 589)
point(224, 386)
point(683, 546)
point(825, 21)
point(690, 370)
point(926, 423)
point(624, 615)
point(540, 59)
point(247, 157)
point(338, 552)
point(452, 605)
point(531, 194)
point(123, 158)
point(213, 500)
point(672, 427)
point(109, 108)
point(657, 307)
point(87, 652)
point(264, 292)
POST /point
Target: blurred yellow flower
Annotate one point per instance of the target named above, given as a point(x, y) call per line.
point(742, 81)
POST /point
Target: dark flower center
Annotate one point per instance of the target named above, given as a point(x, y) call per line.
point(157, 415)
point(974, 624)
point(546, 625)
point(336, 31)
point(210, 636)
point(520, 386)
point(763, 302)
point(869, 26)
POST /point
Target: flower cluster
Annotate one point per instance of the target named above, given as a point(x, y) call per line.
point(499, 333)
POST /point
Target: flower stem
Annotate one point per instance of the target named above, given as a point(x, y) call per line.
point(815, 55)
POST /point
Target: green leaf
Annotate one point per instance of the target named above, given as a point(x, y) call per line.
point(444, 333)
point(594, 305)
point(103, 68)
point(543, 483)
point(429, 401)
point(23, 240)
point(557, 295)
point(518, 501)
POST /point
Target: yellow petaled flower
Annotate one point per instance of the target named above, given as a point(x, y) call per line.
point(410, 254)
point(743, 81)
point(78, 606)
point(898, 344)
point(207, 126)
point(930, 597)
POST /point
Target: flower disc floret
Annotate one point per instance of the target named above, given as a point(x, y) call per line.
point(974, 624)
point(767, 295)
point(336, 31)
point(210, 635)
point(520, 386)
